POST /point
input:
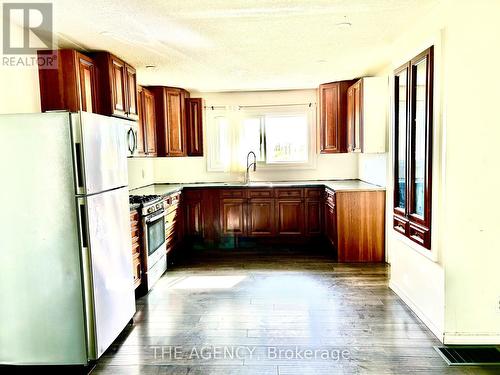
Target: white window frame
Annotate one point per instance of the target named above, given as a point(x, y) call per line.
point(261, 111)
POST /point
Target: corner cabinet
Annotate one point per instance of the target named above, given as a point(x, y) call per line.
point(333, 116)
point(146, 130)
point(194, 126)
point(73, 86)
point(118, 86)
point(366, 115)
point(170, 120)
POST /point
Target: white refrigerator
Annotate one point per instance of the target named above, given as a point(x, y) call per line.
point(66, 283)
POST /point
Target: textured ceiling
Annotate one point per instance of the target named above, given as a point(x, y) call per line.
point(222, 45)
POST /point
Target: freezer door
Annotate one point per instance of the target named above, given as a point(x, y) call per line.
point(101, 148)
point(109, 267)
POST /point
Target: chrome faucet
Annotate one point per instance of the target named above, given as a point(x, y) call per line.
point(247, 174)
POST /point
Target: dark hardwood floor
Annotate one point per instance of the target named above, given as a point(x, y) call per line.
point(275, 312)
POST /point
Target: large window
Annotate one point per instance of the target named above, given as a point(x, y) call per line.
point(279, 136)
point(413, 92)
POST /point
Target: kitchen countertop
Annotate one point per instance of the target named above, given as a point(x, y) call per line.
point(335, 185)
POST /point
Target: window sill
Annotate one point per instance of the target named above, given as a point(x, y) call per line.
point(428, 253)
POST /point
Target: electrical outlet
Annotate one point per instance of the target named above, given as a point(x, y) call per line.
point(143, 173)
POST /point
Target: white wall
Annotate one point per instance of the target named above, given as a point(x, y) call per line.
point(20, 91)
point(417, 275)
point(193, 169)
point(471, 247)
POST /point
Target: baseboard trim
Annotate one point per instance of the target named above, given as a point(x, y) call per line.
point(471, 339)
point(408, 301)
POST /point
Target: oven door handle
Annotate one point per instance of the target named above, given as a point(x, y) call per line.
point(155, 217)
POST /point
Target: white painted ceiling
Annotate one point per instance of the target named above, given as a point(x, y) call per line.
point(225, 45)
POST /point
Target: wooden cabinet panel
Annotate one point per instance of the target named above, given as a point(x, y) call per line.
point(170, 120)
point(355, 117)
point(117, 85)
point(360, 226)
point(232, 216)
point(73, 86)
point(193, 219)
point(233, 193)
point(313, 216)
point(331, 224)
point(131, 92)
point(136, 248)
point(333, 116)
point(290, 220)
point(194, 126)
point(141, 125)
point(146, 129)
point(366, 115)
point(175, 134)
point(261, 217)
point(288, 193)
point(260, 193)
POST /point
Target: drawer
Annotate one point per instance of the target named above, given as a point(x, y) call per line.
point(171, 217)
point(400, 224)
point(137, 271)
point(419, 235)
point(171, 200)
point(172, 208)
point(136, 248)
point(289, 193)
point(134, 218)
point(192, 194)
point(134, 231)
point(233, 193)
point(313, 193)
point(260, 193)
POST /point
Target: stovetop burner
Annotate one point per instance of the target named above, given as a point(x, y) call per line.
point(144, 199)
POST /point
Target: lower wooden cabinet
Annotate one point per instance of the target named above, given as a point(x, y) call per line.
point(136, 248)
point(232, 217)
point(351, 222)
point(193, 217)
point(313, 216)
point(290, 219)
point(261, 218)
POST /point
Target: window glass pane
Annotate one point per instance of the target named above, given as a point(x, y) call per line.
point(401, 134)
point(286, 138)
point(252, 140)
point(420, 131)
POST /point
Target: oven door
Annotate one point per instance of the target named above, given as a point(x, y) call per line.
point(154, 230)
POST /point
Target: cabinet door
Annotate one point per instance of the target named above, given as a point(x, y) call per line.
point(290, 217)
point(149, 122)
point(175, 131)
point(354, 117)
point(88, 83)
point(232, 216)
point(333, 116)
point(141, 123)
point(313, 217)
point(118, 87)
point(131, 92)
point(193, 218)
point(330, 224)
point(261, 217)
point(194, 126)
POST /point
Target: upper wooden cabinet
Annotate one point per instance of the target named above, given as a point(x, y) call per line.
point(118, 86)
point(72, 86)
point(333, 116)
point(366, 115)
point(146, 130)
point(194, 126)
point(170, 120)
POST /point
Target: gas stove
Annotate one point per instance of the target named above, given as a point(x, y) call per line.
point(149, 203)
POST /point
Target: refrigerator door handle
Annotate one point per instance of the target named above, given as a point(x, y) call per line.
point(87, 280)
point(132, 141)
